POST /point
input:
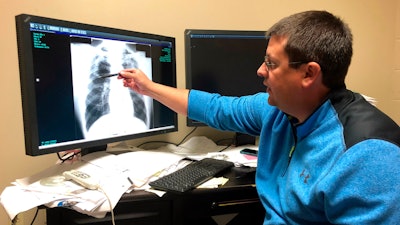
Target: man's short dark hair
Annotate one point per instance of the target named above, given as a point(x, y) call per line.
point(318, 36)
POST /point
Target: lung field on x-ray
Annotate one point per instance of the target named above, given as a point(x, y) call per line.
point(99, 90)
point(128, 61)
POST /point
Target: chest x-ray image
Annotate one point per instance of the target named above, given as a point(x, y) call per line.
point(104, 107)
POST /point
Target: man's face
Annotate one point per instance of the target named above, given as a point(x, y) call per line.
point(283, 83)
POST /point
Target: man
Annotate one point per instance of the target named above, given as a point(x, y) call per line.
point(326, 156)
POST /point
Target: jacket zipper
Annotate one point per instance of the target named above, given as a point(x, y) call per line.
point(292, 149)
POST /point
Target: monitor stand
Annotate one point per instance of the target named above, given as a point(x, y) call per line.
point(85, 151)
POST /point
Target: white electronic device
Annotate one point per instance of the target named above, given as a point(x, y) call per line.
point(82, 178)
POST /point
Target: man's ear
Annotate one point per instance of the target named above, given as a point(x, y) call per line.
point(312, 74)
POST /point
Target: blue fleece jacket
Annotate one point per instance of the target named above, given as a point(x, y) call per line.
point(341, 166)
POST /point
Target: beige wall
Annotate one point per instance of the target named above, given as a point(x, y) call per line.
point(396, 62)
point(375, 69)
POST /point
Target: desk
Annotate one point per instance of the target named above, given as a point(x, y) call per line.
point(237, 196)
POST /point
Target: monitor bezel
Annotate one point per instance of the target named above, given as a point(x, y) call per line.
point(28, 95)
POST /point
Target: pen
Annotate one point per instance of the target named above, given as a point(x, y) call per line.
point(130, 181)
point(109, 75)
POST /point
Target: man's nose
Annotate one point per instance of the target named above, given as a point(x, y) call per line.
point(262, 72)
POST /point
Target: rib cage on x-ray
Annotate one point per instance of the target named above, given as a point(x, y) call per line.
point(97, 98)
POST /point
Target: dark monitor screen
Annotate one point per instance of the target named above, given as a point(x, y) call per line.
point(224, 62)
point(65, 101)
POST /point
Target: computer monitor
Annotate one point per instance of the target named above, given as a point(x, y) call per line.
point(68, 104)
point(224, 62)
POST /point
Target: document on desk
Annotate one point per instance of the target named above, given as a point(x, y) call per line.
point(143, 166)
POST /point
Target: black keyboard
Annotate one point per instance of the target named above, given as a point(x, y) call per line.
point(192, 175)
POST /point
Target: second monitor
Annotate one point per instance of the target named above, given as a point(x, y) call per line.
point(224, 62)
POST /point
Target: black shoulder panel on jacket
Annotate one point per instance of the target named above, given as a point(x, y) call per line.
point(361, 120)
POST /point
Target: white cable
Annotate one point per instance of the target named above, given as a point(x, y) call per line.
point(109, 203)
